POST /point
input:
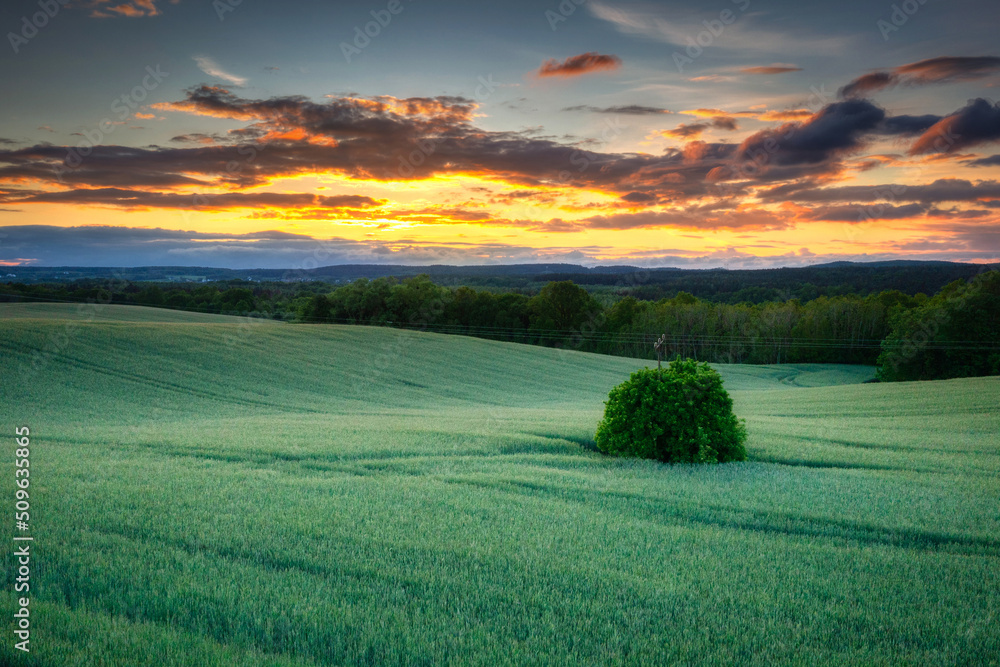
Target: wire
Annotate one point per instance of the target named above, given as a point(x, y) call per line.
point(623, 337)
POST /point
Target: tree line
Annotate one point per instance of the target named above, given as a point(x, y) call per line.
point(954, 333)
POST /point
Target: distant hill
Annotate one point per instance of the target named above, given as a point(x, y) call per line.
point(338, 272)
point(726, 285)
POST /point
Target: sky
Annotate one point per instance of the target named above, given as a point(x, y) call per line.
point(723, 133)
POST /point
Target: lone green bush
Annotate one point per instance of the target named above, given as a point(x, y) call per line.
point(680, 414)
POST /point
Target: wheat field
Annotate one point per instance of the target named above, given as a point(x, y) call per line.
point(218, 491)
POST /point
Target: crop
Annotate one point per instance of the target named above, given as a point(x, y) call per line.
point(213, 492)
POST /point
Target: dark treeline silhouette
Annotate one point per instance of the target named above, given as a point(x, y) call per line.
point(842, 329)
point(955, 333)
point(718, 285)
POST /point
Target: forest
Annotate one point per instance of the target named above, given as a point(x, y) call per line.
point(909, 336)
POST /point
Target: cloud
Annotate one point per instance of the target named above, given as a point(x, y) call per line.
point(774, 68)
point(765, 115)
point(974, 124)
point(692, 130)
point(759, 219)
point(141, 199)
point(908, 124)
point(195, 138)
point(862, 213)
point(991, 161)
point(387, 139)
point(639, 197)
point(944, 69)
point(383, 138)
point(714, 78)
point(126, 8)
point(661, 24)
point(585, 63)
point(626, 109)
point(941, 190)
point(209, 67)
point(818, 143)
point(50, 245)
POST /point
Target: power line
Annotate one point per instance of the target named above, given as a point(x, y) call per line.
point(623, 337)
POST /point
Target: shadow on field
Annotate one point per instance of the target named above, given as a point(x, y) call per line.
point(758, 456)
point(771, 523)
point(582, 441)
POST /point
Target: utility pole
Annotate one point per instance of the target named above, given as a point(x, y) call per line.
point(660, 347)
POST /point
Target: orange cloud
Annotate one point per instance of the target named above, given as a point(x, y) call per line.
point(129, 8)
point(770, 116)
point(694, 130)
point(774, 68)
point(585, 63)
point(943, 69)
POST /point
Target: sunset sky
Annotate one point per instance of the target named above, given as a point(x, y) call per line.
point(734, 133)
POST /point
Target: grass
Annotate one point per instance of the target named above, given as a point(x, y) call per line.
point(208, 490)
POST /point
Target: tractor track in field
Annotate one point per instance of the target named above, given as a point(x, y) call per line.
point(150, 381)
point(784, 523)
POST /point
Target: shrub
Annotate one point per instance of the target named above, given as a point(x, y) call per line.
point(680, 414)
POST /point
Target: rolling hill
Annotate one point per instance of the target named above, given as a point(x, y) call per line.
point(218, 490)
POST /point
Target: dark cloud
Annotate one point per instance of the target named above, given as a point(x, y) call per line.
point(639, 197)
point(585, 63)
point(799, 149)
point(691, 219)
point(991, 161)
point(47, 245)
point(908, 124)
point(388, 139)
point(863, 213)
point(381, 138)
point(626, 109)
point(941, 190)
point(934, 70)
point(194, 138)
point(982, 239)
point(974, 124)
point(140, 199)
point(691, 130)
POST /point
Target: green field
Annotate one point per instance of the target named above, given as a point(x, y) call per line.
point(218, 491)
